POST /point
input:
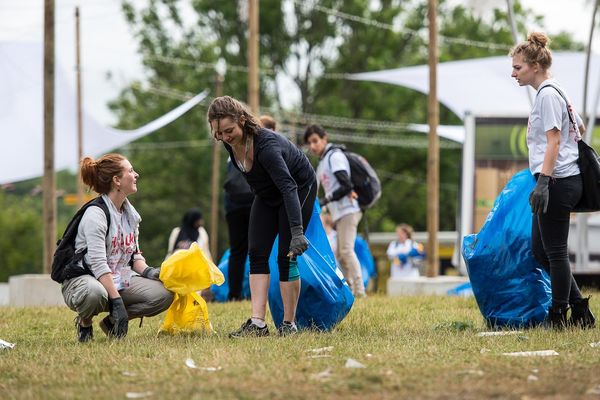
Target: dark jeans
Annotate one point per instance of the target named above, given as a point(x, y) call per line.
point(266, 223)
point(549, 234)
point(237, 222)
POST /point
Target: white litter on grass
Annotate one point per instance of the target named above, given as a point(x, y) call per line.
point(323, 375)
point(498, 333)
point(535, 370)
point(352, 363)
point(127, 373)
point(477, 372)
point(539, 353)
point(369, 355)
point(532, 378)
point(320, 356)
point(484, 350)
point(320, 350)
point(5, 345)
point(593, 390)
point(138, 395)
point(595, 344)
point(191, 364)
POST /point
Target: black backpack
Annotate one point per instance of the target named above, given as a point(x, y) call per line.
point(64, 264)
point(365, 181)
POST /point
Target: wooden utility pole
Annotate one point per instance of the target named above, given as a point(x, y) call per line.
point(215, 189)
point(253, 93)
point(80, 189)
point(49, 208)
point(433, 161)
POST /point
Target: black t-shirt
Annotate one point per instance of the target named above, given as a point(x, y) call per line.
point(279, 170)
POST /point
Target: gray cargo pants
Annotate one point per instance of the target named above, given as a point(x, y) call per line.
point(143, 298)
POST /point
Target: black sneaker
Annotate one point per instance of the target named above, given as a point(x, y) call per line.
point(250, 329)
point(287, 329)
point(556, 318)
point(107, 326)
point(581, 315)
point(84, 333)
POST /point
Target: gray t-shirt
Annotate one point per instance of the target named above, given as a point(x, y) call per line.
point(339, 162)
point(550, 111)
point(109, 253)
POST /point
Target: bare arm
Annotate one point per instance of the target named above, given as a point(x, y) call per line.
point(551, 155)
point(107, 282)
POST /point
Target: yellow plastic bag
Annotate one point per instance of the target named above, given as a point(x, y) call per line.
point(188, 314)
point(185, 273)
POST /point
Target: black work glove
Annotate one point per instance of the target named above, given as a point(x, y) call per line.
point(538, 199)
point(119, 317)
point(323, 201)
point(151, 273)
point(299, 243)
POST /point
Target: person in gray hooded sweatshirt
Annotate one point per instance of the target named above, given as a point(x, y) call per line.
point(122, 283)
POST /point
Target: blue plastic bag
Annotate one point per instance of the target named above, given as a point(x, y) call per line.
point(511, 288)
point(222, 292)
point(325, 298)
point(367, 263)
point(361, 248)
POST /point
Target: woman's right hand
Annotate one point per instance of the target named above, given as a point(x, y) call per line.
point(118, 314)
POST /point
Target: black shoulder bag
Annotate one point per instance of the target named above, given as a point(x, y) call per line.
point(589, 166)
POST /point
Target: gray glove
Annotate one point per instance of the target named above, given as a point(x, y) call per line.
point(151, 273)
point(538, 199)
point(119, 317)
point(298, 244)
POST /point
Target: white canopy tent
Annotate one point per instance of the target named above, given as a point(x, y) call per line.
point(21, 122)
point(483, 88)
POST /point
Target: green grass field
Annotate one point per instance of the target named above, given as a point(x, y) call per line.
point(411, 347)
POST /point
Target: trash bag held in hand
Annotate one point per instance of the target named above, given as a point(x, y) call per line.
point(221, 292)
point(185, 273)
point(325, 298)
point(511, 288)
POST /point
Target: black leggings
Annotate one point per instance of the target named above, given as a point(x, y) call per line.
point(266, 223)
point(549, 235)
point(237, 222)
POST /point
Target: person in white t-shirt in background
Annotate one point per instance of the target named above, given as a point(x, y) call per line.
point(398, 253)
point(333, 174)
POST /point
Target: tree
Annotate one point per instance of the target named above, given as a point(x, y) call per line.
point(21, 239)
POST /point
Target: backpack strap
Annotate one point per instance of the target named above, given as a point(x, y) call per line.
point(331, 148)
point(96, 202)
point(572, 119)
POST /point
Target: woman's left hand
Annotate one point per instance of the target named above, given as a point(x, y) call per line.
point(151, 273)
point(299, 243)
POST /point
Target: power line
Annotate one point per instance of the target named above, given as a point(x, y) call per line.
point(381, 25)
point(295, 120)
point(168, 145)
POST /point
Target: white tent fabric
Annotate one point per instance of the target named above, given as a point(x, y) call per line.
point(21, 117)
point(484, 86)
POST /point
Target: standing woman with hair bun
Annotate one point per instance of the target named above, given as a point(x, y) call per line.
point(119, 280)
point(553, 155)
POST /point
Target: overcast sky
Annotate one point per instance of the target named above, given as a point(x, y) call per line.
point(108, 46)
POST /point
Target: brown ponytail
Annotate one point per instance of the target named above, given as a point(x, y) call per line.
point(98, 174)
